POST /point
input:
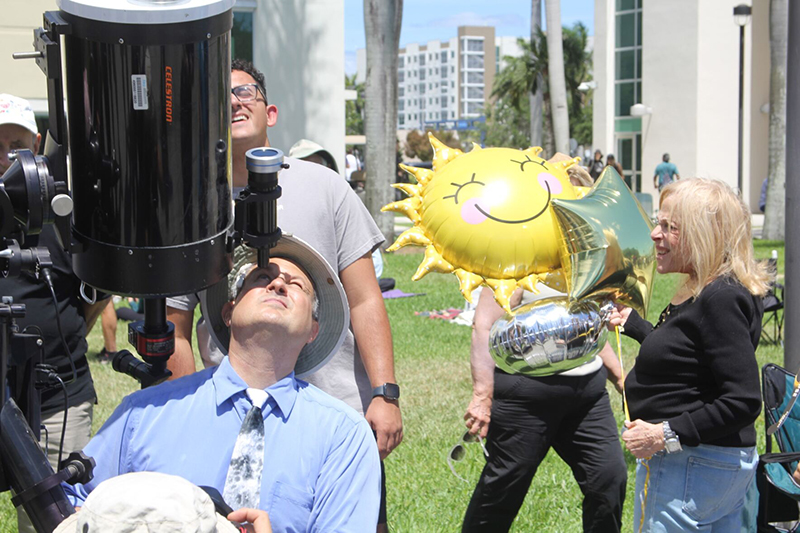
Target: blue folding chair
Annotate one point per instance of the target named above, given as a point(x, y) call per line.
point(779, 494)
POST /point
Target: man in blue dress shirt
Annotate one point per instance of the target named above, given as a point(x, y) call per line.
point(321, 467)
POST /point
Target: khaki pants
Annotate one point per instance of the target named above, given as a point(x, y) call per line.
point(79, 431)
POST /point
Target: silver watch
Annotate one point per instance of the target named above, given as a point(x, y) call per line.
point(672, 442)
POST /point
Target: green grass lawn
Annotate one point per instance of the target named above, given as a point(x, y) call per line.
point(432, 360)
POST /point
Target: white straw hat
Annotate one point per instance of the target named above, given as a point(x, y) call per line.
point(334, 311)
point(147, 502)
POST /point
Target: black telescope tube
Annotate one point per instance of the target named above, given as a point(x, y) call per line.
point(25, 465)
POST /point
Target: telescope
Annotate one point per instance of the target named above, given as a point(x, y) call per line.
point(136, 173)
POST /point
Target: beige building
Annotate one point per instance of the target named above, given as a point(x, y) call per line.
point(680, 61)
point(298, 44)
point(446, 84)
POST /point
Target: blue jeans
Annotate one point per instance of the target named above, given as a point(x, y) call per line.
point(701, 488)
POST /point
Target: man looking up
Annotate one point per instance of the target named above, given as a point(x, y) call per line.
point(319, 207)
point(312, 462)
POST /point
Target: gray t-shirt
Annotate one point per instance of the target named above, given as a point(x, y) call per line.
point(318, 206)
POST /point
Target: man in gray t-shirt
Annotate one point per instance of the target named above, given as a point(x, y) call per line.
point(319, 207)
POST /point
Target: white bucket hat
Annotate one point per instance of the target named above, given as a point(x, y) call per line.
point(334, 311)
point(147, 502)
point(16, 110)
point(304, 148)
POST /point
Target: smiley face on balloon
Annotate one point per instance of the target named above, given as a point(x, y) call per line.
point(486, 216)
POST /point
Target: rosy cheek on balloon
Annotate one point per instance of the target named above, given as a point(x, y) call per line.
point(548, 181)
point(470, 213)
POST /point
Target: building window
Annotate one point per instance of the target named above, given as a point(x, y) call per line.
point(401, 76)
point(628, 56)
point(474, 61)
point(402, 119)
point(474, 93)
point(444, 57)
point(401, 105)
point(422, 60)
point(242, 35)
point(475, 45)
point(400, 61)
point(401, 91)
point(475, 77)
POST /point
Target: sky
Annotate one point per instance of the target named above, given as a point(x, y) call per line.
point(428, 20)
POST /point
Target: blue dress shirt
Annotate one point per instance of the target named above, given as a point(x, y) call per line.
point(321, 464)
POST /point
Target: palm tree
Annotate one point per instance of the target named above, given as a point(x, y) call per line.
point(354, 109)
point(775, 211)
point(524, 76)
point(537, 95)
point(529, 73)
point(558, 86)
point(382, 19)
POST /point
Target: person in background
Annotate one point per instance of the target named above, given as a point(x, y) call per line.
point(613, 163)
point(311, 151)
point(522, 417)
point(350, 164)
point(596, 166)
point(18, 132)
point(665, 173)
point(694, 392)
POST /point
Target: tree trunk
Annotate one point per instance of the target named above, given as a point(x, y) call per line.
point(558, 85)
point(775, 211)
point(547, 136)
point(536, 98)
point(382, 19)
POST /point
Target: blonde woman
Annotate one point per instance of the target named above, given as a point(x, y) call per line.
point(694, 392)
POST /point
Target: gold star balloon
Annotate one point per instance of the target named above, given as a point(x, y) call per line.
point(606, 250)
point(486, 217)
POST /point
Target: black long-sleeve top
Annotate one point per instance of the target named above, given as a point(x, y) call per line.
point(697, 368)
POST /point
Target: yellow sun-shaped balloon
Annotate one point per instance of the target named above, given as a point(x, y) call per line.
point(486, 217)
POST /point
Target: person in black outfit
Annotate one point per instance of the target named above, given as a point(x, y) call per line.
point(18, 132)
point(694, 391)
point(522, 417)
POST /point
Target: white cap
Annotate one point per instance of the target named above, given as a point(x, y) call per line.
point(147, 502)
point(15, 110)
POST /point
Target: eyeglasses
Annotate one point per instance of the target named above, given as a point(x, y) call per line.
point(458, 452)
point(248, 92)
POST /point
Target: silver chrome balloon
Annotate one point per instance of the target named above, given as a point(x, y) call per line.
point(548, 336)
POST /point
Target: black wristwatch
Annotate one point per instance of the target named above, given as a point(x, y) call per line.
point(390, 391)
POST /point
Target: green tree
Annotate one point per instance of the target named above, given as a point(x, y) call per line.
point(354, 109)
point(528, 73)
point(418, 145)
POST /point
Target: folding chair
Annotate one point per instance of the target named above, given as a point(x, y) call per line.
point(779, 494)
point(773, 308)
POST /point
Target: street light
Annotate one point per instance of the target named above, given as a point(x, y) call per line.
point(741, 15)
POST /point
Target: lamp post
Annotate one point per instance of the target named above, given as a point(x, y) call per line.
point(741, 15)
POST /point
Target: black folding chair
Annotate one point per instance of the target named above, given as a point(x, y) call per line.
point(773, 309)
point(779, 493)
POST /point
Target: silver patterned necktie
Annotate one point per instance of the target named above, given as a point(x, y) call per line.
point(243, 482)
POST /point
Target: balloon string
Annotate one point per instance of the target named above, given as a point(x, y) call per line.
point(628, 419)
point(622, 369)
